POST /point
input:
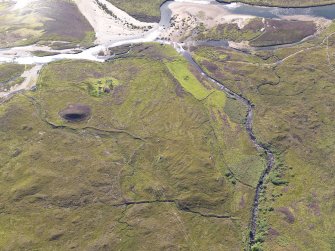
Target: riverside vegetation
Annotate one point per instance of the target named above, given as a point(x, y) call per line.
point(294, 104)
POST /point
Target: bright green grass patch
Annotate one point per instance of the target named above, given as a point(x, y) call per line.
point(293, 106)
point(217, 99)
point(188, 81)
point(99, 87)
point(227, 118)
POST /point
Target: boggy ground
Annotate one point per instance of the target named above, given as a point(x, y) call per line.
point(294, 99)
point(55, 23)
point(163, 161)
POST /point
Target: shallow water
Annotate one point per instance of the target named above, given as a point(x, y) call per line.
point(327, 12)
point(275, 12)
point(241, 9)
point(88, 54)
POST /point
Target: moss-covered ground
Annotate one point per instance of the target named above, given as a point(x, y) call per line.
point(294, 114)
point(163, 162)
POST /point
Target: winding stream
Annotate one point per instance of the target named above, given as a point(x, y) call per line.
point(249, 128)
point(238, 9)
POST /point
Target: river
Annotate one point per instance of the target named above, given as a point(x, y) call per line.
point(237, 9)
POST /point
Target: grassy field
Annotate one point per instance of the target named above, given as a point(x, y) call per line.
point(294, 106)
point(143, 10)
point(41, 23)
point(163, 161)
point(283, 3)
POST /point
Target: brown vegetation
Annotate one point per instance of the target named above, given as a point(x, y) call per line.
point(278, 32)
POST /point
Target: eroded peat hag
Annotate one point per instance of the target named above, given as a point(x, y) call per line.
point(249, 128)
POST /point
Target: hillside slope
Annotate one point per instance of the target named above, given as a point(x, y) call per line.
point(161, 160)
